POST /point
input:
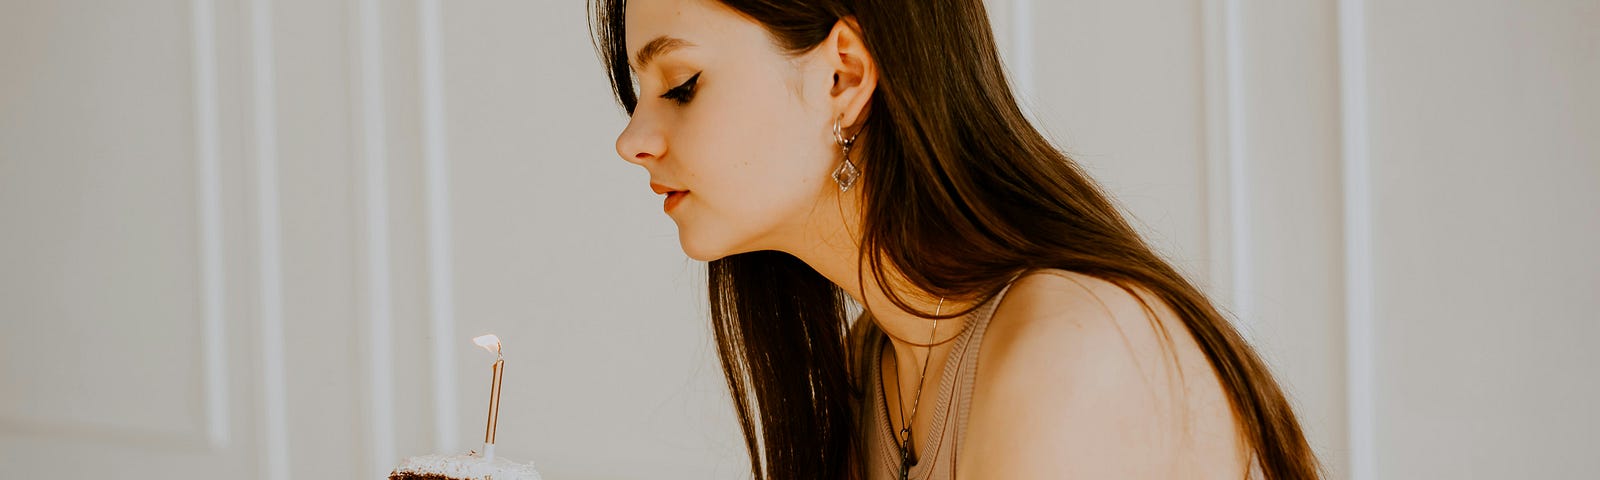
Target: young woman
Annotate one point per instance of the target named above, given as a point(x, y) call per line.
point(816, 152)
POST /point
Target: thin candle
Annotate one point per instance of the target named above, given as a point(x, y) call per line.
point(492, 343)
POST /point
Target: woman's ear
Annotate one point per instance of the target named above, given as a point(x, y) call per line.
point(855, 74)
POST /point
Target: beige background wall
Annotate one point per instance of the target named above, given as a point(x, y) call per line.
point(251, 239)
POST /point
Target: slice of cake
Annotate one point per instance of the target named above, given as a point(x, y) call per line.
point(471, 466)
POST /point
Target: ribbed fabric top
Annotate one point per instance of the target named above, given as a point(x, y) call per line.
point(936, 448)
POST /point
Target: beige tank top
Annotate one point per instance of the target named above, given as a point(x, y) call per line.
point(939, 446)
point(936, 448)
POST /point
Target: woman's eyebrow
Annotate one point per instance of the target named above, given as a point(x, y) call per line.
point(657, 47)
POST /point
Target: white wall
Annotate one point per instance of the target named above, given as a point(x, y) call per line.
point(253, 237)
point(1485, 188)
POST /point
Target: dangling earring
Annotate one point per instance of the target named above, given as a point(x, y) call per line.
point(847, 173)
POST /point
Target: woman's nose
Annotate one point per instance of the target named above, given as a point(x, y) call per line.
point(640, 142)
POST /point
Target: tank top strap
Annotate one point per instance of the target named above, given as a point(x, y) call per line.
point(938, 446)
point(965, 373)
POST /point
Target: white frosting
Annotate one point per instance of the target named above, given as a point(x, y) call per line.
point(468, 467)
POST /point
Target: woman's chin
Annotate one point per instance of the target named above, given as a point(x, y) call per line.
point(703, 257)
point(708, 249)
point(701, 250)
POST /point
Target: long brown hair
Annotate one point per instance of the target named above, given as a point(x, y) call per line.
point(960, 194)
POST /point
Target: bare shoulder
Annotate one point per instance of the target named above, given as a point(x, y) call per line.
point(1052, 317)
point(1076, 377)
point(1059, 303)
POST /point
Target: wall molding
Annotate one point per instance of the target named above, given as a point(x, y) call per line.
point(274, 418)
point(214, 414)
point(212, 279)
point(1229, 226)
point(1022, 53)
point(441, 279)
point(367, 32)
point(1361, 377)
point(77, 432)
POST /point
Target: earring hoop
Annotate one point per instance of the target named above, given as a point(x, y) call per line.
point(847, 173)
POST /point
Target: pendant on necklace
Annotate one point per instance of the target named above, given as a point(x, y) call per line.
point(905, 464)
point(905, 453)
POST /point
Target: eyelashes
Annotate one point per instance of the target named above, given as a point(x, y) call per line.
point(681, 94)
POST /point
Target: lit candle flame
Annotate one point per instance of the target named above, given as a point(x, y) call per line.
point(490, 342)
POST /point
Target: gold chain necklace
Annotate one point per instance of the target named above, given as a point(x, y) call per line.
point(905, 430)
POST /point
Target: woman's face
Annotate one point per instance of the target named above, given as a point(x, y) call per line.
point(724, 116)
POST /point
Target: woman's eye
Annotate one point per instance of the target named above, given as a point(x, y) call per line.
point(682, 93)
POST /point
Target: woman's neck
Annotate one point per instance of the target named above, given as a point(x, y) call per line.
point(833, 251)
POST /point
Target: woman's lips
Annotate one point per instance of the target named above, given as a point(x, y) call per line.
point(673, 194)
point(673, 198)
point(661, 189)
